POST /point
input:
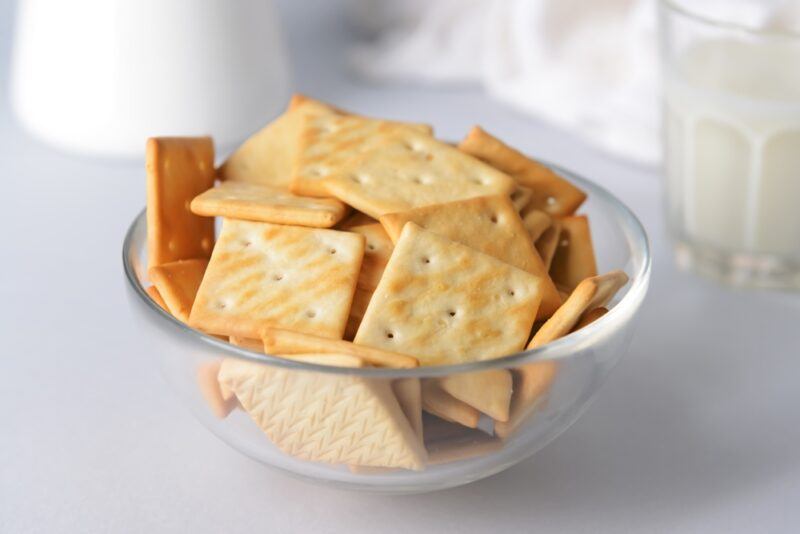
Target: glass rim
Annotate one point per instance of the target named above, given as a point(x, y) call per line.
point(676, 7)
point(559, 349)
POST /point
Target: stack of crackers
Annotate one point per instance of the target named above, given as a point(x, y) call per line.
point(355, 242)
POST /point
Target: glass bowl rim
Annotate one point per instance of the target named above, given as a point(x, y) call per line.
point(677, 8)
point(561, 348)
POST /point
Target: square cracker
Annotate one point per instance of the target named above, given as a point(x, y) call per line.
point(377, 252)
point(488, 391)
point(551, 193)
point(178, 169)
point(573, 259)
point(536, 222)
point(328, 141)
point(361, 300)
point(278, 341)
point(447, 303)
point(404, 169)
point(267, 156)
point(548, 242)
point(438, 402)
point(521, 197)
point(177, 283)
point(266, 203)
point(153, 293)
point(534, 380)
point(326, 418)
point(488, 224)
point(355, 219)
point(291, 277)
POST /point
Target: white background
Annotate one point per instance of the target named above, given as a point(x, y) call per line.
point(698, 430)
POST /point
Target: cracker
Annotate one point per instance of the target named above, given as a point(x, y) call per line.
point(488, 392)
point(355, 219)
point(178, 169)
point(177, 283)
point(153, 293)
point(488, 224)
point(278, 341)
point(268, 155)
point(536, 222)
point(377, 251)
point(267, 203)
point(326, 418)
point(219, 404)
point(547, 243)
point(263, 274)
point(448, 303)
point(573, 260)
point(409, 395)
point(521, 197)
point(551, 193)
point(247, 343)
point(466, 449)
point(328, 141)
point(438, 402)
point(335, 360)
point(589, 317)
point(535, 379)
point(361, 300)
point(406, 169)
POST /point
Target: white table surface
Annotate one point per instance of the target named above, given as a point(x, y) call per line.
point(698, 430)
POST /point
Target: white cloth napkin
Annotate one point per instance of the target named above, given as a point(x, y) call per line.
point(589, 67)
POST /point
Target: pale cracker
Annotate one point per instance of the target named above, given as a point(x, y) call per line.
point(551, 193)
point(279, 341)
point(409, 395)
point(438, 402)
point(178, 169)
point(574, 259)
point(361, 300)
point(220, 405)
point(536, 222)
point(488, 224)
point(177, 283)
point(466, 449)
point(153, 293)
point(267, 203)
point(326, 418)
point(521, 197)
point(547, 243)
point(377, 251)
point(332, 359)
point(263, 274)
point(328, 141)
point(447, 303)
point(267, 156)
point(408, 170)
point(488, 392)
point(535, 379)
point(247, 343)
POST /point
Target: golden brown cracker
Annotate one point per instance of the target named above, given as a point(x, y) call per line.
point(377, 251)
point(573, 259)
point(548, 242)
point(177, 283)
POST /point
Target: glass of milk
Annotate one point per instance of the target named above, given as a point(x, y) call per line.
point(732, 138)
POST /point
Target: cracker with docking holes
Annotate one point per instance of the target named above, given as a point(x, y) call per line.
point(279, 341)
point(488, 224)
point(178, 169)
point(534, 380)
point(329, 141)
point(267, 203)
point(267, 156)
point(263, 274)
point(405, 169)
point(326, 418)
point(177, 283)
point(377, 251)
point(573, 259)
point(551, 193)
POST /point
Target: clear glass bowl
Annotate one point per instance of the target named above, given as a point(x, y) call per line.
point(456, 455)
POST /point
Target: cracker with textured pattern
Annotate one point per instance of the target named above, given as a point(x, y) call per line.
point(178, 169)
point(279, 341)
point(488, 224)
point(551, 193)
point(266, 203)
point(326, 418)
point(291, 277)
point(267, 156)
point(377, 252)
point(573, 259)
point(403, 169)
point(177, 283)
point(329, 141)
point(534, 380)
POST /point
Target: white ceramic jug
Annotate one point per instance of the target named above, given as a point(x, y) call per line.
point(100, 76)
